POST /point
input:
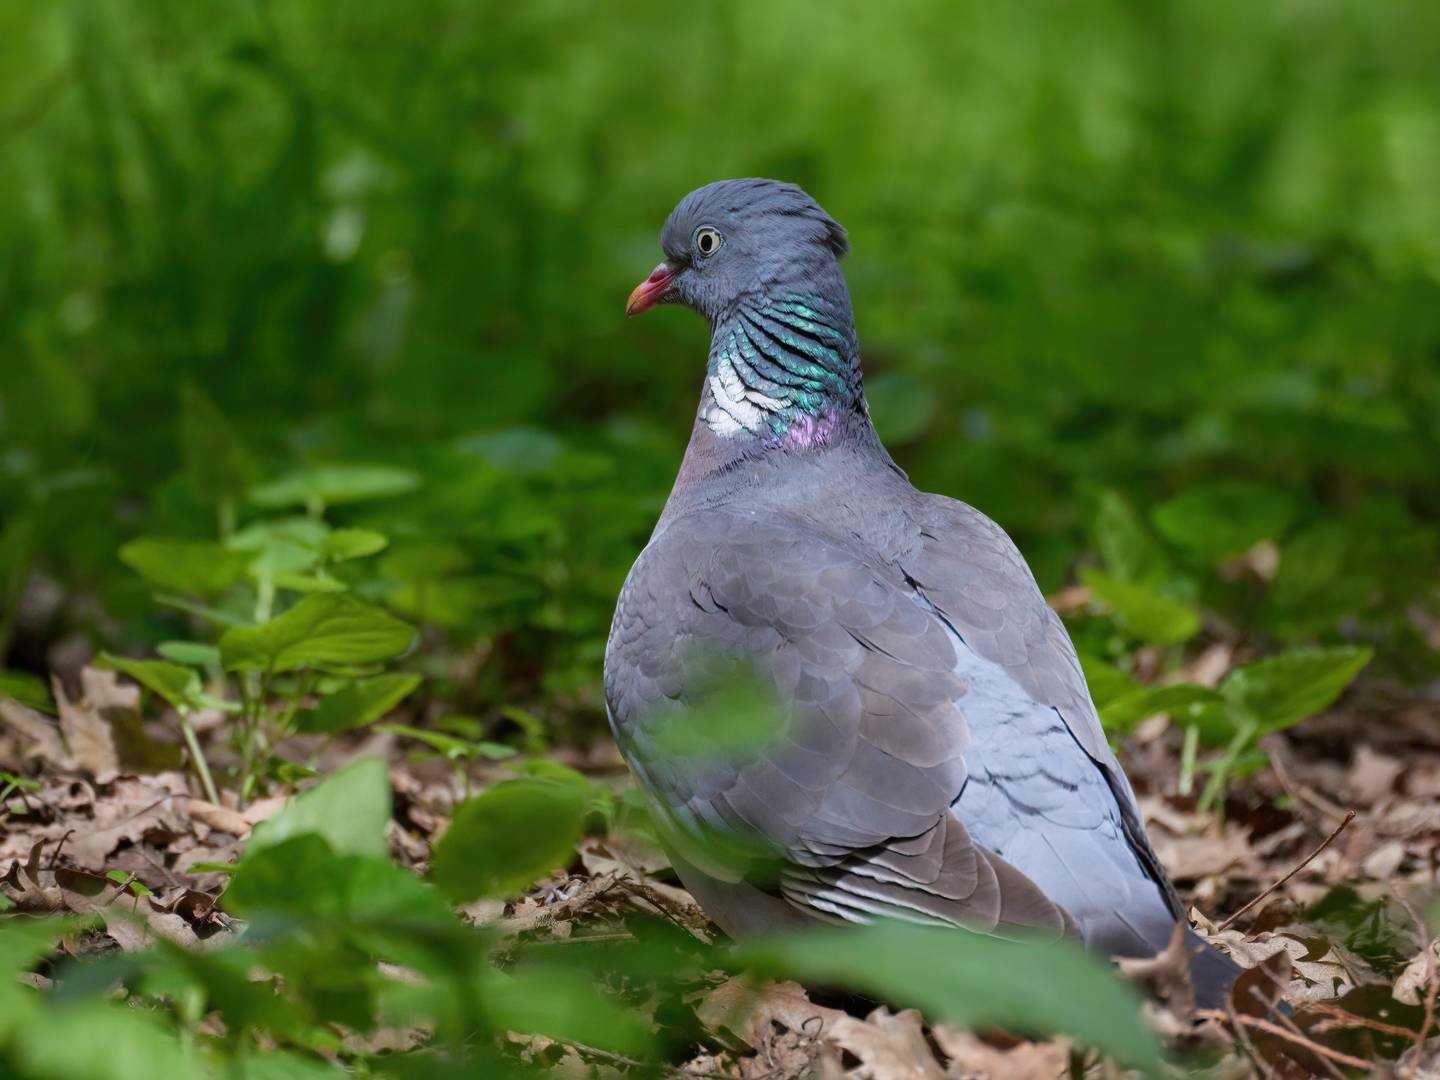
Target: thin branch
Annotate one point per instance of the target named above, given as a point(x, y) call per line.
point(1271, 1028)
point(1349, 817)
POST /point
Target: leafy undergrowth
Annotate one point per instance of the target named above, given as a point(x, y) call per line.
point(420, 911)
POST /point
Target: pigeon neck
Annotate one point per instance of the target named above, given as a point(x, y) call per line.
point(784, 370)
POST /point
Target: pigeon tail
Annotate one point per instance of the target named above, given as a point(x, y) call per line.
point(1212, 973)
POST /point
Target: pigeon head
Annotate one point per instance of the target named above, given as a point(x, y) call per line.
point(735, 240)
point(761, 261)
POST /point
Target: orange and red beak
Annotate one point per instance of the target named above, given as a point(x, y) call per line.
point(652, 290)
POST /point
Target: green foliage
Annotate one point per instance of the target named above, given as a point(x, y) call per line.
point(502, 840)
point(332, 630)
point(177, 684)
point(349, 811)
point(1144, 611)
point(971, 979)
point(1276, 692)
point(323, 343)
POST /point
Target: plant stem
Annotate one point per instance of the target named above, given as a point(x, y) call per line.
point(1188, 750)
point(198, 756)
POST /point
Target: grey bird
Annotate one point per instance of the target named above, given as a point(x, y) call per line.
point(940, 758)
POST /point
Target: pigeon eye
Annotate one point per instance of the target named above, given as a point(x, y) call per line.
point(707, 241)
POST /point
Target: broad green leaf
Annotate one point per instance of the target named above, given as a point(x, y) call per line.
point(1282, 690)
point(1219, 520)
point(451, 746)
point(349, 809)
point(331, 485)
point(563, 1003)
point(1179, 699)
point(101, 1040)
point(176, 684)
point(27, 689)
point(276, 1065)
point(501, 841)
point(305, 876)
point(971, 980)
point(354, 543)
point(1127, 548)
point(187, 566)
point(1145, 612)
point(289, 546)
point(1106, 681)
point(309, 583)
point(217, 461)
point(322, 629)
point(194, 653)
point(362, 702)
point(22, 943)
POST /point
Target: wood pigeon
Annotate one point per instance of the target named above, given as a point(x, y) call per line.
point(938, 757)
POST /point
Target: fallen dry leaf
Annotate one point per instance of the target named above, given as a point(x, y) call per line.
point(972, 1058)
point(85, 721)
point(779, 1019)
point(219, 817)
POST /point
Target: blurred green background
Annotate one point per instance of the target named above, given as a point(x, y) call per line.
point(1151, 284)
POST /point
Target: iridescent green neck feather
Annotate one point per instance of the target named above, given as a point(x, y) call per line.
point(785, 368)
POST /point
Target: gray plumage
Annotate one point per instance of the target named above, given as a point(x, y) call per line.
point(941, 759)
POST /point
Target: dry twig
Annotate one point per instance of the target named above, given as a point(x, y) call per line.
point(1349, 817)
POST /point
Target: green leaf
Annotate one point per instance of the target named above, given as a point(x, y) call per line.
point(1127, 548)
point(1140, 609)
point(349, 809)
point(449, 745)
point(27, 689)
point(176, 684)
point(331, 485)
point(276, 1065)
point(97, 1040)
point(309, 583)
point(505, 838)
point(1224, 519)
point(304, 875)
point(194, 653)
point(1106, 682)
point(1179, 699)
point(322, 629)
point(290, 546)
point(1282, 690)
point(971, 980)
point(354, 543)
point(362, 702)
point(187, 566)
point(563, 1003)
point(217, 462)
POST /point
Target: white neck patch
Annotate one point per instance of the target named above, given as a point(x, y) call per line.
point(735, 406)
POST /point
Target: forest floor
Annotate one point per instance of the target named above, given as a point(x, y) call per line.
point(1344, 936)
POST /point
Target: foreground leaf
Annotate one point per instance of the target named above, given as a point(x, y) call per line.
point(1283, 690)
point(971, 980)
point(102, 1041)
point(1145, 612)
point(362, 702)
point(322, 629)
point(505, 838)
point(330, 485)
point(187, 566)
point(349, 809)
point(176, 684)
point(563, 1003)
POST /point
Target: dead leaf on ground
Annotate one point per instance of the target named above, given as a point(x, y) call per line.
point(972, 1058)
point(780, 1022)
point(85, 721)
point(1372, 776)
